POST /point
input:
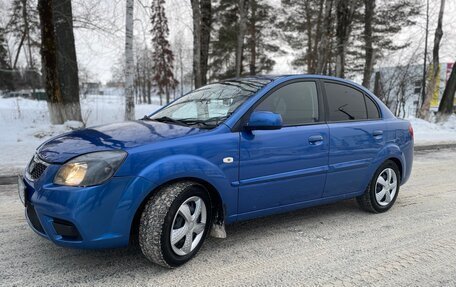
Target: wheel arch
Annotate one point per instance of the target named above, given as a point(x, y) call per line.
point(217, 203)
point(399, 166)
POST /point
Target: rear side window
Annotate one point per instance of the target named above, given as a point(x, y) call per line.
point(297, 103)
point(345, 103)
point(372, 111)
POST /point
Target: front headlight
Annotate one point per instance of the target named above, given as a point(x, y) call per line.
point(90, 169)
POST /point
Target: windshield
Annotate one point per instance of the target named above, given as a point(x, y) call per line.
point(210, 105)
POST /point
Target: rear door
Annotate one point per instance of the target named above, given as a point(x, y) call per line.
point(286, 166)
point(356, 137)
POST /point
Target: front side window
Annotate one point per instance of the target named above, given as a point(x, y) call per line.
point(210, 105)
point(297, 103)
point(345, 103)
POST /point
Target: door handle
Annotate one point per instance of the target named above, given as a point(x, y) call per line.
point(315, 139)
point(377, 133)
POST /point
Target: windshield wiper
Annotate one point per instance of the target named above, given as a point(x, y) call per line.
point(210, 122)
point(166, 119)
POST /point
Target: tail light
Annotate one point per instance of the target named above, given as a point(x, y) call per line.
point(411, 131)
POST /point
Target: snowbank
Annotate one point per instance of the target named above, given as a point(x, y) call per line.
point(434, 133)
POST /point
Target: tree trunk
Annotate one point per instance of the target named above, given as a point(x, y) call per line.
point(424, 110)
point(206, 21)
point(309, 53)
point(368, 48)
point(378, 87)
point(253, 35)
point(129, 97)
point(29, 45)
point(21, 43)
point(58, 54)
point(318, 36)
point(49, 60)
point(240, 37)
point(446, 106)
point(344, 16)
point(323, 51)
point(197, 73)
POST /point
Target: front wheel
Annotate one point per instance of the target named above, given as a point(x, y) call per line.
point(382, 190)
point(175, 223)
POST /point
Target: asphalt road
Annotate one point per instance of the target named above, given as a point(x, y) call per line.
point(414, 244)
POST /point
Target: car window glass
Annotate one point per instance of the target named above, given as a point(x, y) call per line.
point(372, 111)
point(297, 103)
point(345, 103)
point(213, 103)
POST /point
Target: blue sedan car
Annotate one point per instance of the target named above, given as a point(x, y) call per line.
point(229, 151)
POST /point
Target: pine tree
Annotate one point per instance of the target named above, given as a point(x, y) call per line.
point(355, 33)
point(162, 54)
point(301, 24)
point(259, 36)
point(257, 46)
point(381, 21)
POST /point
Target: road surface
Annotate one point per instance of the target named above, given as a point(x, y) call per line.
point(414, 244)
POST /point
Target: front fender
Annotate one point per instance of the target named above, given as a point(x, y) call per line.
point(176, 167)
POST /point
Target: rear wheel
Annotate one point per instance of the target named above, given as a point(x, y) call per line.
point(382, 190)
point(175, 223)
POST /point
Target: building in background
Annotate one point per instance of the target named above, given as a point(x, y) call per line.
point(400, 87)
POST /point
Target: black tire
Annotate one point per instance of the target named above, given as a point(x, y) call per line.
point(368, 200)
point(157, 219)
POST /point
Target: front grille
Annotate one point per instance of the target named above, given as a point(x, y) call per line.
point(36, 167)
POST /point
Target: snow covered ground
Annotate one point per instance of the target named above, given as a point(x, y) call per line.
point(24, 124)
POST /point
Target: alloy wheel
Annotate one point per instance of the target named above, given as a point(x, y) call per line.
point(188, 226)
point(386, 187)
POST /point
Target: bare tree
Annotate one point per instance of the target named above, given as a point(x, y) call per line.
point(129, 64)
point(59, 62)
point(446, 106)
point(435, 68)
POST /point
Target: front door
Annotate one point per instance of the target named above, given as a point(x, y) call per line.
point(286, 166)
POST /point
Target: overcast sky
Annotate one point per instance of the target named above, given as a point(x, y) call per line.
point(100, 36)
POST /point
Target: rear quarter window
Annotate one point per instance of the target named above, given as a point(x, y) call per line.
point(372, 110)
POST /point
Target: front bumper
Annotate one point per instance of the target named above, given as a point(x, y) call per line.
point(84, 217)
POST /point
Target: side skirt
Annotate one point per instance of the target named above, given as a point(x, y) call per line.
point(294, 206)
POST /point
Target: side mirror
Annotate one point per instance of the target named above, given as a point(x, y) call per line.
point(261, 120)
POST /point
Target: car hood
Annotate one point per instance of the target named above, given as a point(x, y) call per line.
point(123, 136)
